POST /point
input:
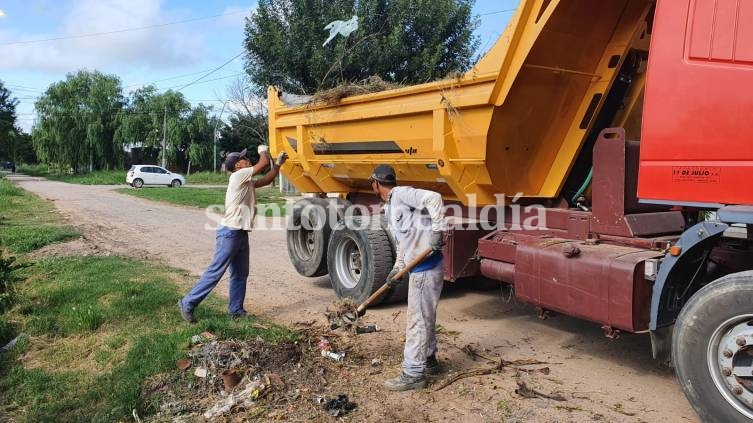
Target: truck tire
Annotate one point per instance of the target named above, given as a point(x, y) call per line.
point(712, 349)
point(359, 260)
point(308, 236)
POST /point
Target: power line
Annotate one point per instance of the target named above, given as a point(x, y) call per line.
point(168, 79)
point(498, 12)
point(95, 34)
point(211, 72)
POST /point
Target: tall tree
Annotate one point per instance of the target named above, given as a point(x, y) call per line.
point(77, 119)
point(407, 41)
point(8, 130)
point(189, 133)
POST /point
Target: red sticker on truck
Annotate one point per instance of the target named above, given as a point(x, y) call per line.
point(696, 174)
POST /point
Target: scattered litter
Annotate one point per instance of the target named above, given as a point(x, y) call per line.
point(340, 406)
point(324, 344)
point(376, 362)
point(243, 398)
point(10, 345)
point(526, 392)
point(202, 338)
point(367, 329)
point(184, 364)
point(344, 314)
point(334, 355)
point(201, 372)
point(230, 379)
point(395, 314)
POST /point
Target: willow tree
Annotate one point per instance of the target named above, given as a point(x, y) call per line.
point(76, 121)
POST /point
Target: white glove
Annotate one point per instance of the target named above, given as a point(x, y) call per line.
point(262, 148)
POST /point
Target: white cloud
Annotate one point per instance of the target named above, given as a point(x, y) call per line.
point(235, 16)
point(2, 13)
point(160, 47)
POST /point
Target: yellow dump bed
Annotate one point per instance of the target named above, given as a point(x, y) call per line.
point(512, 124)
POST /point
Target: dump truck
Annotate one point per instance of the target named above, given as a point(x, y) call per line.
point(608, 142)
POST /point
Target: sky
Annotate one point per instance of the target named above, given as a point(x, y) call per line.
point(168, 43)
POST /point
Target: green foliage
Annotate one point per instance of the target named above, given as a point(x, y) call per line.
point(96, 367)
point(8, 130)
point(245, 130)
point(190, 131)
point(407, 41)
point(77, 119)
point(9, 277)
point(26, 222)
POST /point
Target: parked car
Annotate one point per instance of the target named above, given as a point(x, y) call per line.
point(140, 175)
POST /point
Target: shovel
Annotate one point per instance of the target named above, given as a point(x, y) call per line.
point(384, 288)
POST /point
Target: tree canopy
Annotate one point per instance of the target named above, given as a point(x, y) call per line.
point(85, 123)
point(77, 121)
point(11, 137)
point(405, 41)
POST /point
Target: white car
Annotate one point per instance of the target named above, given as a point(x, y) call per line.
point(140, 175)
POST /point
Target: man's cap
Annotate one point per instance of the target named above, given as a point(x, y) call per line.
point(384, 174)
point(233, 158)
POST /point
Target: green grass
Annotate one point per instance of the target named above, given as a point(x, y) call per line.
point(98, 328)
point(207, 178)
point(98, 177)
point(26, 222)
point(203, 197)
point(114, 177)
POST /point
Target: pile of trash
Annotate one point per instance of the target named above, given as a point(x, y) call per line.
point(248, 379)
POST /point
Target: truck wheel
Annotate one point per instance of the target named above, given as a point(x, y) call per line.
point(359, 260)
point(712, 349)
point(308, 236)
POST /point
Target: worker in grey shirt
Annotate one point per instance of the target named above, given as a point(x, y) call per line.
point(416, 219)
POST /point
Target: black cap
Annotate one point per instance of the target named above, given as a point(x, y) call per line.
point(384, 174)
point(233, 158)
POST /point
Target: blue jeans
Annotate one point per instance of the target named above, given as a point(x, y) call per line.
point(231, 251)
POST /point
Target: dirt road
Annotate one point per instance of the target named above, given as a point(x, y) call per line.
point(601, 379)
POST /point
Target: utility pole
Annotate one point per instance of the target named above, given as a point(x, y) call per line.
point(164, 138)
point(217, 122)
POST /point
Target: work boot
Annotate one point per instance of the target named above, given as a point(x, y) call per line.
point(241, 315)
point(432, 365)
point(186, 314)
point(405, 383)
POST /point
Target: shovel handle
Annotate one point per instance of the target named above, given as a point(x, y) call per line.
point(408, 267)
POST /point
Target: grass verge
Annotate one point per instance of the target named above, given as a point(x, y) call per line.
point(113, 177)
point(26, 222)
point(204, 197)
point(98, 177)
point(98, 328)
